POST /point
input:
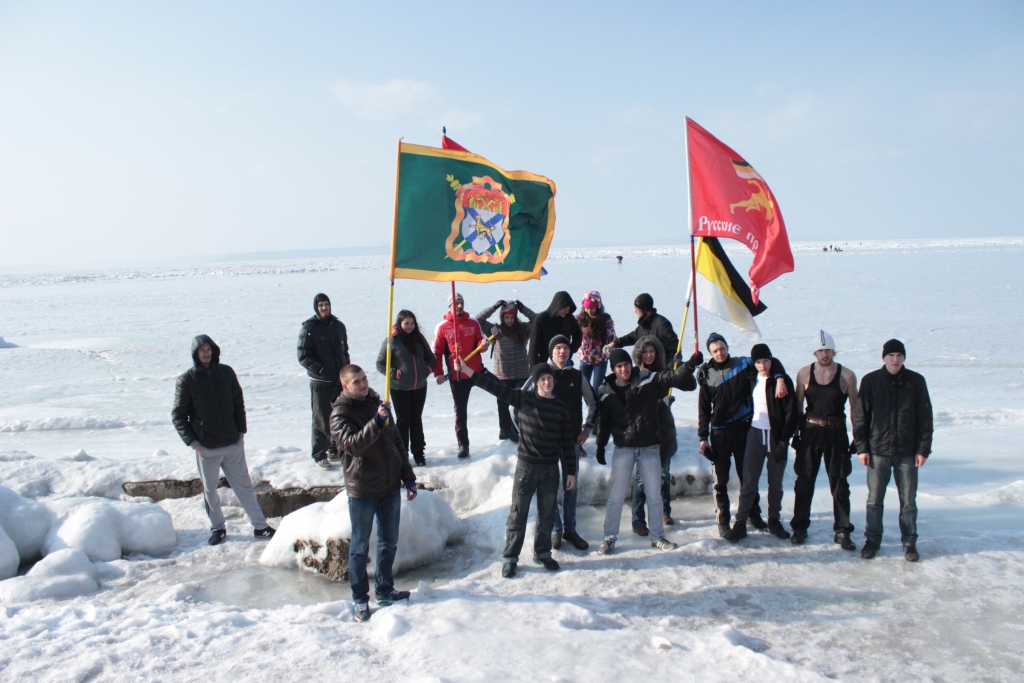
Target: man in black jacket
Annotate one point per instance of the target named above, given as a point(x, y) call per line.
point(557, 319)
point(376, 467)
point(545, 438)
point(323, 351)
point(209, 414)
point(648, 323)
point(630, 413)
point(771, 427)
point(892, 429)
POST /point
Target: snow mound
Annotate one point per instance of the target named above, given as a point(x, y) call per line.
point(427, 525)
point(25, 523)
point(60, 424)
point(79, 456)
point(9, 558)
point(1011, 494)
point(64, 574)
point(14, 456)
point(4, 344)
point(105, 530)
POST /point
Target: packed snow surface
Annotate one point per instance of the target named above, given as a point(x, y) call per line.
point(92, 372)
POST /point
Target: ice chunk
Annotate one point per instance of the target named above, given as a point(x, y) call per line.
point(661, 643)
point(9, 558)
point(25, 521)
point(63, 574)
point(106, 529)
point(576, 617)
point(390, 626)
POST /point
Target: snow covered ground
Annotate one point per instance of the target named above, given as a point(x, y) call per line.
point(85, 401)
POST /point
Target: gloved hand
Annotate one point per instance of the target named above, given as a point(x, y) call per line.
point(519, 304)
point(669, 400)
point(500, 304)
point(600, 455)
point(677, 359)
point(695, 360)
point(853, 447)
point(779, 451)
point(795, 443)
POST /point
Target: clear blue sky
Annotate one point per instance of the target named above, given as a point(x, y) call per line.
point(140, 131)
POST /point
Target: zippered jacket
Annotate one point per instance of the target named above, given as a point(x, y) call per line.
point(725, 399)
point(893, 416)
point(469, 337)
point(415, 365)
point(636, 422)
point(323, 348)
point(782, 414)
point(375, 459)
point(208, 403)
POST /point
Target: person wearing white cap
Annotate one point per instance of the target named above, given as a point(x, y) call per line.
point(826, 386)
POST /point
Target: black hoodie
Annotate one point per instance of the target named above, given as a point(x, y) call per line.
point(547, 325)
point(323, 347)
point(208, 404)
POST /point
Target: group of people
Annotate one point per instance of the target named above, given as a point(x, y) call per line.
point(750, 413)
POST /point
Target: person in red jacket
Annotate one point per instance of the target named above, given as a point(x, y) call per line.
point(465, 331)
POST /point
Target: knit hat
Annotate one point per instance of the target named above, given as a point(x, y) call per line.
point(458, 297)
point(592, 299)
point(824, 340)
point(893, 346)
point(645, 302)
point(619, 356)
point(508, 307)
point(555, 341)
point(760, 352)
point(539, 370)
point(715, 337)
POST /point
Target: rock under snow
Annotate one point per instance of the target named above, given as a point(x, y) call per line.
point(63, 574)
point(316, 537)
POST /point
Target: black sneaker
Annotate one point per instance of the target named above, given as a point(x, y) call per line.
point(776, 529)
point(723, 529)
point(333, 457)
point(910, 552)
point(502, 436)
point(548, 562)
point(737, 533)
point(556, 540)
point(362, 611)
point(419, 460)
point(325, 464)
point(869, 549)
point(576, 540)
point(217, 536)
point(264, 533)
point(391, 598)
point(607, 546)
point(641, 530)
point(508, 570)
point(464, 452)
point(799, 536)
point(513, 437)
point(758, 523)
point(843, 539)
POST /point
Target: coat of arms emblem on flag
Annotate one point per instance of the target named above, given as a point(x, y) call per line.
point(480, 230)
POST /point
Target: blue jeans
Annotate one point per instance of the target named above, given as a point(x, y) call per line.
point(648, 460)
point(568, 502)
point(387, 509)
point(594, 373)
point(880, 470)
point(640, 498)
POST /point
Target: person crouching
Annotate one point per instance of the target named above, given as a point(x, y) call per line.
point(376, 465)
point(545, 437)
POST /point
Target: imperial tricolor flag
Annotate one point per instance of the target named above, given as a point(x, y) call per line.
point(731, 199)
point(721, 290)
point(460, 217)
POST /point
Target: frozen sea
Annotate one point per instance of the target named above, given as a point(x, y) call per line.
point(93, 365)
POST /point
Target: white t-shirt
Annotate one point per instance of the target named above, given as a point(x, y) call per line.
point(760, 420)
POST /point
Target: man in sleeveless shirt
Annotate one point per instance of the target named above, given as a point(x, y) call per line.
point(822, 435)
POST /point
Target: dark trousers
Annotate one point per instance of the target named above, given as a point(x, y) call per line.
point(832, 445)
point(505, 424)
point(728, 444)
point(361, 511)
point(531, 478)
point(904, 470)
point(460, 396)
point(639, 498)
point(321, 397)
point(758, 450)
point(409, 417)
point(568, 508)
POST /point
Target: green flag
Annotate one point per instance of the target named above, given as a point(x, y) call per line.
point(460, 217)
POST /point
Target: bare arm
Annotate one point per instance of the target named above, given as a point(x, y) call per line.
point(849, 379)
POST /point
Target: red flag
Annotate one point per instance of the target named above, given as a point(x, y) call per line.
point(448, 143)
point(730, 199)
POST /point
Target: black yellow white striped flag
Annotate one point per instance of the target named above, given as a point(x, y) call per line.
point(721, 290)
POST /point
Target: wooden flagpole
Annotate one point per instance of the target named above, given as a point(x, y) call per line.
point(455, 329)
point(693, 259)
point(391, 289)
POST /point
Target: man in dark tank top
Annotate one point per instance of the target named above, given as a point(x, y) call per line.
point(822, 436)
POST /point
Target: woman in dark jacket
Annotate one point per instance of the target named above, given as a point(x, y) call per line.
point(411, 365)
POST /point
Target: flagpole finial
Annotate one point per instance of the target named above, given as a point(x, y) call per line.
point(444, 131)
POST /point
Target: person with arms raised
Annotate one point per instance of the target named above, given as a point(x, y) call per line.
point(509, 351)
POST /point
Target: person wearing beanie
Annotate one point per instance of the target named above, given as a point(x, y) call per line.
point(771, 426)
point(509, 353)
point(323, 352)
point(546, 439)
point(892, 430)
point(557, 319)
point(458, 330)
point(649, 323)
point(598, 332)
point(826, 386)
point(572, 389)
point(629, 405)
point(725, 407)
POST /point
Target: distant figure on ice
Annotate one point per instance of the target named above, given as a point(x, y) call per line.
point(545, 437)
point(619, 260)
point(412, 361)
point(511, 361)
point(598, 330)
point(648, 323)
point(630, 414)
point(893, 426)
point(771, 427)
point(323, 351)
point(557, 319)
point(572, 389)
point(465, 332)
point(724, 411)
point(821, 435)
point(376, 467)
point(209, 414)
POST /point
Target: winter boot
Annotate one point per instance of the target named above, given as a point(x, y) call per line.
point(756, 522)
point(723, 529)
point(776, 529)
point(556, 540)
point(464, 451)
point(508, 570)
point(217, 536)
point(869, 549)
point(843, 539)
point(641, 529)
point(799, 536)
point(607, 546)
point(264, 533)
point(548, 562)
point(664, 544)
point(576, 540)
point(910, 552)
point(667, 520)
point(419, 460)
point(738, 532)
point(391, 598)
point(362, 611)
